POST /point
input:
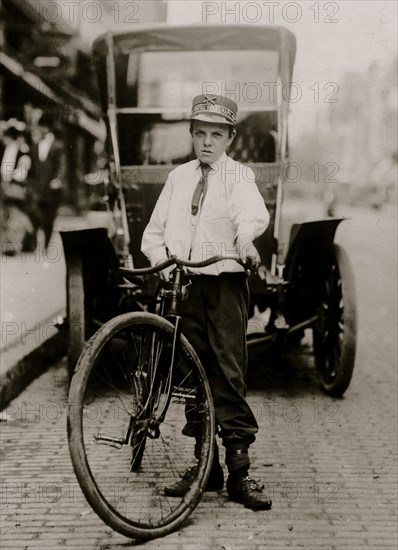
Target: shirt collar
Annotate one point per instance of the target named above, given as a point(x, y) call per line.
point(214, 165)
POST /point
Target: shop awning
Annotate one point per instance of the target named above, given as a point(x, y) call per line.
point(87, 123)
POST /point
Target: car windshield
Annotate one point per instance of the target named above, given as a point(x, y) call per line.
point(161, 85)
point(170, 79)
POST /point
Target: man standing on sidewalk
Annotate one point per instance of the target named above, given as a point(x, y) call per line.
point(49, 168)
point(15, 167)
point(212, 206)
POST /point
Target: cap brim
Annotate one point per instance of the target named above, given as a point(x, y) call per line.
point(210, 117)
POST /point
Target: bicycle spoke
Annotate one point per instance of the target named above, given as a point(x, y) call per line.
point(133, 412)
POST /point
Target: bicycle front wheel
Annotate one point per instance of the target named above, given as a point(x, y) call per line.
point(127, 411)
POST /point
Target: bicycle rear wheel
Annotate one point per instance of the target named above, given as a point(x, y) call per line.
point(125, 420)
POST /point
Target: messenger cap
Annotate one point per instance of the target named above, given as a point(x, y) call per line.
point(214, 108)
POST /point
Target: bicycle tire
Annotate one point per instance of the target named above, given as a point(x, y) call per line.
point(137, 347)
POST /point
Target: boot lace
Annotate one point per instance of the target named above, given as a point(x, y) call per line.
point(254, 486)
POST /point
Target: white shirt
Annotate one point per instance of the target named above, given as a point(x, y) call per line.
point(8, 161)
point(22, 169)
point(233, 205)
point(45, 145)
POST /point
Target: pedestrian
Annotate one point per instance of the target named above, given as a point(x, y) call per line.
point(49, 168)
point(15, 167)
point(212, 205)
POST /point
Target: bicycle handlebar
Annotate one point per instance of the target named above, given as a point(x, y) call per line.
point(174, 260)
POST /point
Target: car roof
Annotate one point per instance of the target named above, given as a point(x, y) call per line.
point(162, 36)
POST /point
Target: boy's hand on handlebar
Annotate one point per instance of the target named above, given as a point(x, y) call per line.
point(248, 252)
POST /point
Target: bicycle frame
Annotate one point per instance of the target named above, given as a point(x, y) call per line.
point(168, 309)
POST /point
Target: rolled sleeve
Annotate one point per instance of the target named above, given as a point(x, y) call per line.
point(247, 208)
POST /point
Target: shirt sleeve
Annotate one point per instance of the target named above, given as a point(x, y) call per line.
point(22, 169)
point(153, 239)
point(246, 205)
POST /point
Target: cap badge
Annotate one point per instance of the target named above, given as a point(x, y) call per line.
point(210, 100)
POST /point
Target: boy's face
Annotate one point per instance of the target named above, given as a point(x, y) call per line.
point(210, 140)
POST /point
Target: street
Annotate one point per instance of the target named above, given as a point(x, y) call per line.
point(329, 465)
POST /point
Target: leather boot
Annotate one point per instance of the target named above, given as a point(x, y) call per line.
point(248, 492)
point(214, 483)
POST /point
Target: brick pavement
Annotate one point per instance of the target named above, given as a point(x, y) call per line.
point(329, 465)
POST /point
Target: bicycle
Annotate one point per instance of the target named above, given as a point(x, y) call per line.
point(136, 382)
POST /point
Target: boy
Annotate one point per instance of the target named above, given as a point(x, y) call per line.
point(212, 206)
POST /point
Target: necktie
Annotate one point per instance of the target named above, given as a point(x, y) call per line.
point(201, 188)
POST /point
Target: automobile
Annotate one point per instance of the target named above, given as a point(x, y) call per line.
point(147, 78)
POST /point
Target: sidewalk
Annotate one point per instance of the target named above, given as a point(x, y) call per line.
point(33, 299)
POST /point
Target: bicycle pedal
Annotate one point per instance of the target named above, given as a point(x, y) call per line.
point(184, 393)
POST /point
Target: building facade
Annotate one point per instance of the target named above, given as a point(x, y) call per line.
point(46, 66)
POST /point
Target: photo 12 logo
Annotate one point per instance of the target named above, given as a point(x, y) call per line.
point(270, 12)
point(268, 93)
point(89, 11)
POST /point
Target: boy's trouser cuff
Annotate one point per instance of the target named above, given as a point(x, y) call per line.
point(237, 460)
